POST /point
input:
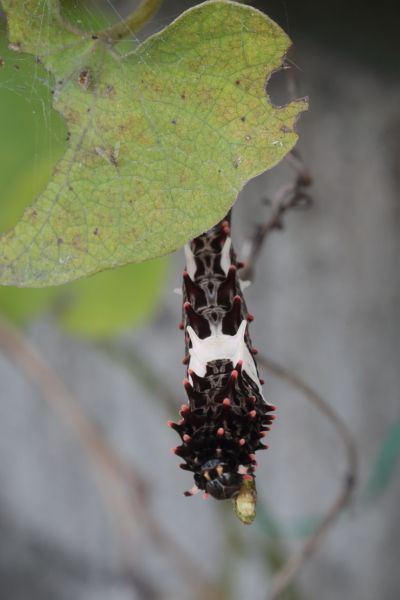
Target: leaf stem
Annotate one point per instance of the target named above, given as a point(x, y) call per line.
point(292, 194)
point(131, 24)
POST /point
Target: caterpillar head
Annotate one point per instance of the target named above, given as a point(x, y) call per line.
point(218, 479)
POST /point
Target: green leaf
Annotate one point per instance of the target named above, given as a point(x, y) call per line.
point(32, 134)
point(385, 466)
point(161, 140)
point(108, 302)
point(77, 12)
point(31, 141)
point(95, 307)
point(22, 304)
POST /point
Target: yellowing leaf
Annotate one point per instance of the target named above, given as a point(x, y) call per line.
point(161, 140)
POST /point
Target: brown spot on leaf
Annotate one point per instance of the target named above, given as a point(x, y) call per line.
point(16, 46)
point(113, 159)
point(32, 215)
point(71, 115)
point(237, 162)
point(85, 78)
point(78, 242)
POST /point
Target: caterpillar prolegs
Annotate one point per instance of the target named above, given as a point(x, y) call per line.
point(226, 416)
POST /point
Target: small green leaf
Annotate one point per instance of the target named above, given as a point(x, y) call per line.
point(106, 303)
point(385, 466)
point(161, 140)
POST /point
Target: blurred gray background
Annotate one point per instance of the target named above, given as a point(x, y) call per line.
point(326, 301)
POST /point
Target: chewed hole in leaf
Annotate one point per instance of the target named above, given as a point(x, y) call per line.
point(281, 86)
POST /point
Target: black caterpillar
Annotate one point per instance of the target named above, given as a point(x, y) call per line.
point(226, 415)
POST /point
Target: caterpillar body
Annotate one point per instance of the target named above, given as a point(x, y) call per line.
point(226, 416)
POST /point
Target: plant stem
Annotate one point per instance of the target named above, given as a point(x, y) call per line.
point(131, 24)
point(286, 576)
point(127, 492)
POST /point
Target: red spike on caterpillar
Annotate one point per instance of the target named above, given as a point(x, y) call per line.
point(194, 293)
point(226, 415)
point(226, 228)
point(199, 324)
point(194, 490)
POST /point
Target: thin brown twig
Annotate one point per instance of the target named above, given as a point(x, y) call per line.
point(291, 195)
point(286, 576)
point(34, 366)
point(127, 509)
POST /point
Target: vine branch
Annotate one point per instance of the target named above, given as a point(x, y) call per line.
point(126, 509)
point(286, 576)
point(132, 24)
point(291, 195)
